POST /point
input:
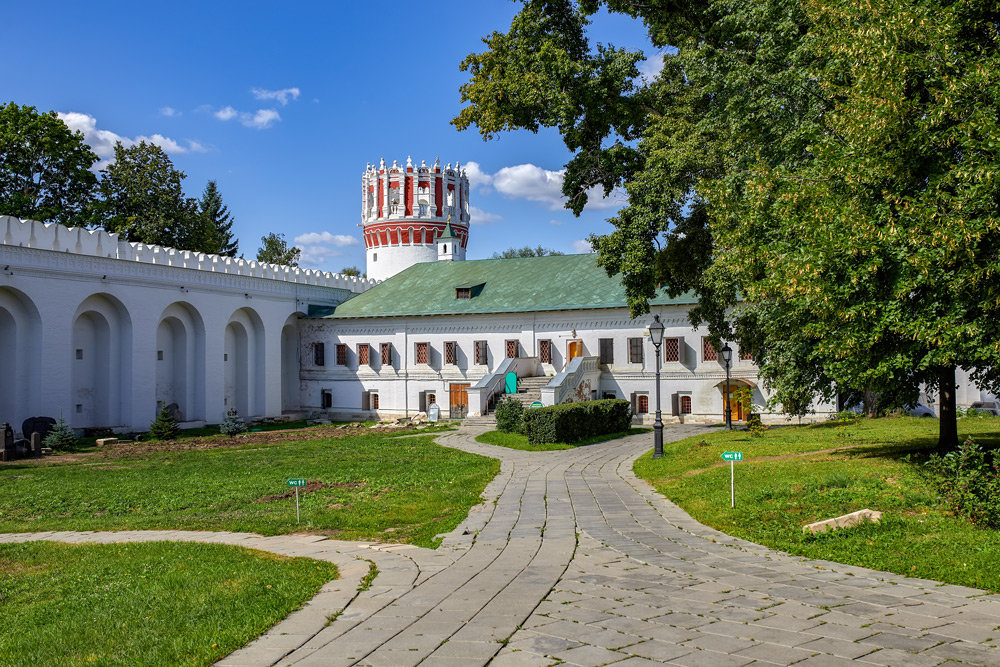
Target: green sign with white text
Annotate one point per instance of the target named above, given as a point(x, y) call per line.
point(296, 482)
point(732, 456)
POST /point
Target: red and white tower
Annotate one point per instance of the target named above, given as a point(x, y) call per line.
point(404, 209)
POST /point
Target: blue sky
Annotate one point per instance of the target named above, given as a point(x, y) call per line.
point(285, 105)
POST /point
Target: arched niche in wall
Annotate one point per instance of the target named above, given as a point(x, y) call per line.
point(243, 362)
point(180, 360)
point(20, 357)
point(101, 363)
point(290, 399)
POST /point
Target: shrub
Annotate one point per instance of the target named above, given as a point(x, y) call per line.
point(61, 438)
point(970, 483)
point(164, 427)
point(509, 413)
point(233, 425)
point(755, 425)
point(571, 422)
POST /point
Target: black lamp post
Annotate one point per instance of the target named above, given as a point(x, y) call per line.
point(727, 356)
point(656, 335)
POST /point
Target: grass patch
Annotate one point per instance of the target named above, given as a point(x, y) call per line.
point(520, 441)
point(873, 463)
point(158, 603)
point(366, 486)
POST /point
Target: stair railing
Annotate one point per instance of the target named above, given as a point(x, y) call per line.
point(566, 381)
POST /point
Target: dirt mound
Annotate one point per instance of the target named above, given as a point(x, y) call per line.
point(310, 487)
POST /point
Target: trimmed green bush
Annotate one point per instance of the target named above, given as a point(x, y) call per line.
point(509, 413)
point(571, 422)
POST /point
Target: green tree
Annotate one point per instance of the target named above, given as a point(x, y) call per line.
point(274, 249)
point(352, 271)
point(44, 168)
point(834, 169)
point(220, 220)
point(142, 199)
point(526, 251)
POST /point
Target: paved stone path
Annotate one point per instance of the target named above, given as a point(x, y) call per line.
point(572, 560)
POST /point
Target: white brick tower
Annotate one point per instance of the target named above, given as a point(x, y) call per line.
point(404, 209)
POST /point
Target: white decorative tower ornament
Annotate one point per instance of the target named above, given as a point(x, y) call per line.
point(404, 211)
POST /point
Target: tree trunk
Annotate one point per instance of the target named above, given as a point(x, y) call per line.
point(947, 419)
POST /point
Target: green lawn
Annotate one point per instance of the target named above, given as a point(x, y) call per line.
point(519, 441)
point(876, 464)
point(370, 486)
point(159, 603)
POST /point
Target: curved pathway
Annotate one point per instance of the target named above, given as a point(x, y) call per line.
point(573, 560)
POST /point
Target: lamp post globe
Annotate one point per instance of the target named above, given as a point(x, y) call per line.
point(656, 336)
point(727, 356)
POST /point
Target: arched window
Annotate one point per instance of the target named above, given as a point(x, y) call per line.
point(685, 405)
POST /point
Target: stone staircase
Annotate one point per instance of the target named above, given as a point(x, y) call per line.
point(529, 389)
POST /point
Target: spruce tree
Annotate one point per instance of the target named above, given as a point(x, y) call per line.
point(220, 220)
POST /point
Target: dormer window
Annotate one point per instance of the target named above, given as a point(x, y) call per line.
point(468, 290)
point(463, 292)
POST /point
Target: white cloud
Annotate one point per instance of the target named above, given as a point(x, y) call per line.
point(651, 67)
point(318, 247)
point(582, 246)
point(102, 142)
point(481, 217)
point(281, 96)
point(477, 177)
point(259, 120)
point(556, 223)
point(226, 113)
point(169, 112)
point(531, 182)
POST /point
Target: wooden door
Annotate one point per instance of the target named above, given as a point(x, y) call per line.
point(575, 350)
point(737, 405)
point(458, 400)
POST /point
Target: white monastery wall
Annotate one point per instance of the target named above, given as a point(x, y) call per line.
point(103, 331)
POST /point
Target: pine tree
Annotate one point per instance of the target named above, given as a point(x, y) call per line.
point(61, 438)
point(165, 426)
point(220, 220)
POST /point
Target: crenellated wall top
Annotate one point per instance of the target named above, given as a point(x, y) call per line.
point(99, 243)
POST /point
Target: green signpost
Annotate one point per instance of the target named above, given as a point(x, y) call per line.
point(296, 483)
point(732, 457)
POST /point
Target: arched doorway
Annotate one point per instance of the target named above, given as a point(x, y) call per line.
point(101, 364)
point(180, 361)
point(290, 365)
point(243, 361)
point(737, 390)
point(20, 357)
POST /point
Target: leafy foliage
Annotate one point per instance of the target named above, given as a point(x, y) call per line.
point(219, 220)
point(526, 251)
point(164, 427)
point(61, 438)
point(969, 480)
point(44, 168)
point(509, 413)
point(571, 422)
point(274, 249)
point(232, 425)
point(352, 271)
point(142, 199)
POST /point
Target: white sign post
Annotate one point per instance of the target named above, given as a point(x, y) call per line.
point(732, 457)
point(296, 483)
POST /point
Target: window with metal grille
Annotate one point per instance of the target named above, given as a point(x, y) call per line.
point(606, 348)
point(364, 356)
point(641, 404)
point(387, 354)
point(374, 400)
point(511, 349)
point(319, 354)
point(671, 349)
point(326, 398)
point(463, 292)
point(482, 352)
point(635, 350)
point(685, 405)
point(708, 352)
point(341, 354)
point(745, 353)
point(545, 351)
point(431, 398)
point(422, 350)
point(451, 352)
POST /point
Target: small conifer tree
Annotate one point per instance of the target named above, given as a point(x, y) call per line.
point(61, 438)
point(164, 427)
point(233, 425)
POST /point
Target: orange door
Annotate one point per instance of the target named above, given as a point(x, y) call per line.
point(737, 405)
point(575, 349)
point(458, 400)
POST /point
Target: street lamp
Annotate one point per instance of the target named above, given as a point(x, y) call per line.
point(727, 356)
point(656, 335)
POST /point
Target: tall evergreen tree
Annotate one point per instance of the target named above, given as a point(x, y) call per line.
point(221, 221)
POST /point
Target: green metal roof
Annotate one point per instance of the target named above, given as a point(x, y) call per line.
point(530, 284)
point(447, 233)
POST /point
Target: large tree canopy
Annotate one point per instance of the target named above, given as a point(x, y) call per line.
point(44, 167)
point(142, 199)
point(274, 249)
point(824, 177)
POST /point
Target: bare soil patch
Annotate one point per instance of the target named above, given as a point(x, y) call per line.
point(311, 487)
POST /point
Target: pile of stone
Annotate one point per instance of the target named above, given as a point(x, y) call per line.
point(33, 430)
